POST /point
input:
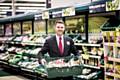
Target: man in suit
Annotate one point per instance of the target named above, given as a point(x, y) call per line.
point(58, 45)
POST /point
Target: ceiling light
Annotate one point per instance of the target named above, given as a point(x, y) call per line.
point(3, 15)
point(29, 4)
point(32, 0)
point(31, 8)
point(10, 10)
point(3, 12)
point(4, 7)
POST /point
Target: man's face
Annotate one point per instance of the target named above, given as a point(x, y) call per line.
point(59, 29)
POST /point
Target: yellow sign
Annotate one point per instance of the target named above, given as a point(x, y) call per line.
point(113, 5)
point(68, 11)
point(45, 15)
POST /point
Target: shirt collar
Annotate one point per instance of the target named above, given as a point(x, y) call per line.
point(59, 36)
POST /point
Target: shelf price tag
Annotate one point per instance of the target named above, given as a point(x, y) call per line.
point(68, 11)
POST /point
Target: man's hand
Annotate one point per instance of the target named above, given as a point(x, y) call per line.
point(43, 62)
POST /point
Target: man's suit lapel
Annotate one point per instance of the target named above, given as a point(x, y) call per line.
point(65, 45)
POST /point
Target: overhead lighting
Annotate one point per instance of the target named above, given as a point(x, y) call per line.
point(21, 4)
point(3, 15)
point(31, 8)
point(10, 10)
point(5, 4)
point(26, 10)
point(3, 12)
point(29, 4)
point(4, 7)
point(32, 0)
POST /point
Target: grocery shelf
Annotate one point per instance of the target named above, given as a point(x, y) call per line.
point(113, 74)
point(114, 59)
point(90, 66)
point(94, 56)
point(87, 44)
point(112, 44)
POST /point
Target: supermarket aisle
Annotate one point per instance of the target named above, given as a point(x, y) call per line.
point(13, 78)
point(4, 75)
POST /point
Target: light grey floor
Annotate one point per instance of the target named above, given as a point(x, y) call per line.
point(13, 78)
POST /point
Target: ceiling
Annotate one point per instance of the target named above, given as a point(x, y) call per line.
point(14, 7)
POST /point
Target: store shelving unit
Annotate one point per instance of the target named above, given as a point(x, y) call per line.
point(20, 54)
point(91, 59)
point(111, 34)
point(90, 54)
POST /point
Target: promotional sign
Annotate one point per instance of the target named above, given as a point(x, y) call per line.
point(68, 11)
point(27, 27)
point(113, 5)
point(97, 8)
point(38, 17)
point(16, 28)
point(1, 29)
point(45, 15)
point(8, 29)
point(57, 14)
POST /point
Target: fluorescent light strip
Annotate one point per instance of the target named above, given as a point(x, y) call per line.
point(10, 10)
point(22, 4)
point(4, 7)
point(6, 4)
point(26, 0)
point(31, 8)
point(3, 15)
point(3, 12)
point(27, 4)
point(32, 0)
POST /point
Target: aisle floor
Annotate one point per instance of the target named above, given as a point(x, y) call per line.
point(9, 76)
point(13, 78)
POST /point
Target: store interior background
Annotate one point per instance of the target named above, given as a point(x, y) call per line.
point(75, 25)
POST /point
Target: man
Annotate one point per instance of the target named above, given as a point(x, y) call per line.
point(58, 45)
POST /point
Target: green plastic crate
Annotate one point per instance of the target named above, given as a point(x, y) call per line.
point(63, 71)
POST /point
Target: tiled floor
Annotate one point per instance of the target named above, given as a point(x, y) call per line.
point(13, 78)
point(4, 75)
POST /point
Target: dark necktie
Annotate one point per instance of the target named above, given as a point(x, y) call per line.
point(60, 45)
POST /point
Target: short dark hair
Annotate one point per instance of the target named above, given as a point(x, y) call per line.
point(59, 21)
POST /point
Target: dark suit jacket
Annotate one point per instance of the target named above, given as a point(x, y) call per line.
point(51, 47)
